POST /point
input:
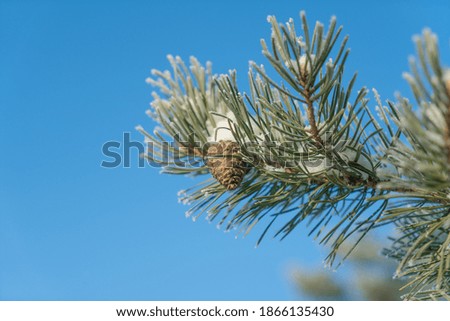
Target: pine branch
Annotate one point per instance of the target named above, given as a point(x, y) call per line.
point(422, 212)
point(447, 115)
point(311, 117)
point(297, 166)
point(309, 150)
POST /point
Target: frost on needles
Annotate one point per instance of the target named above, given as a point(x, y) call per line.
point(310, 150)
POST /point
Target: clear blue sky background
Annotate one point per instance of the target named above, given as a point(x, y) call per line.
point(72, 77)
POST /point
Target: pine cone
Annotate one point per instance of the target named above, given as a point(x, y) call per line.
point(225, 163)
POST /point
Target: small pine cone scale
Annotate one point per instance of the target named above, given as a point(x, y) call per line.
point(225, 163)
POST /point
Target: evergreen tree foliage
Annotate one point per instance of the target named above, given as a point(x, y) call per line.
point(367, 276)
point(304, 147)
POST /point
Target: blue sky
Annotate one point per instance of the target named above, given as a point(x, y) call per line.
point(72, 78)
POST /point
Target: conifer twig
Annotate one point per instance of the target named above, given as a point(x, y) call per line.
point(311, 117)
point(356, 176)
point(447, 120)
